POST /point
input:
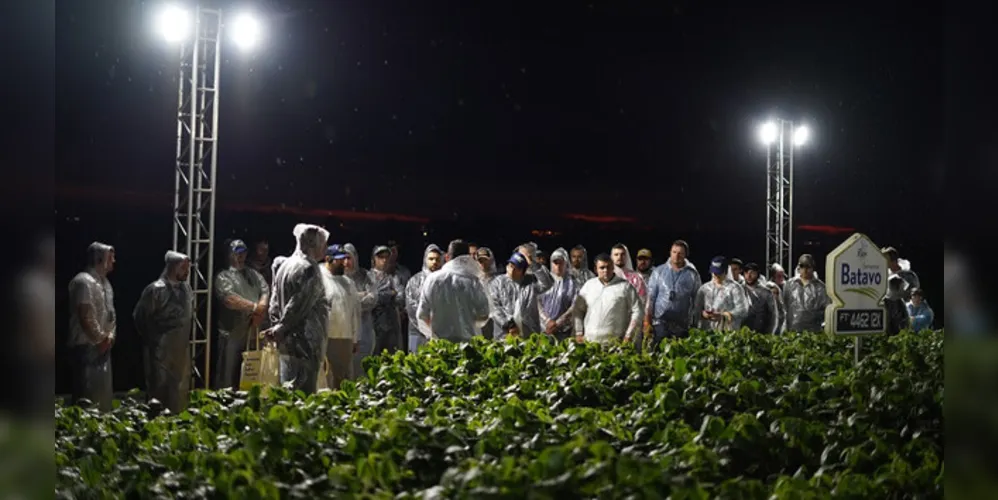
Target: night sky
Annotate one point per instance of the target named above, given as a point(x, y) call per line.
point(647, 110)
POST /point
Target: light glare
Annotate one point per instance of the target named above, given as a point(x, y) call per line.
point(246, 31)
point(767, 133)
point(801, 135)
point(173, 24)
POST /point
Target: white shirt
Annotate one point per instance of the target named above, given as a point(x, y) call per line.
point(605, 312)
point(344, 311)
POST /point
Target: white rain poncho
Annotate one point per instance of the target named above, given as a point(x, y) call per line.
point(344, 307)
point(389, 291)
point(724, 297)
point(299, 311)
point(804, 304)
point(454, 303)
point(489, 275)
point(763, 313)
point(515, 303)
point(672, 295)
point(899, 287)
point(583, 273)
point(556, 303)
point(91, 292)
point(412, 290)
point(606, 312)
point(628, 273)
point(365, 289)
point(163, 318)
point(235, 327)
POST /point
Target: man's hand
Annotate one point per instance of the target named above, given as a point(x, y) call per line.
point(514, 331)
point(707, 315)
point(550, 327)
point(105, 345)
point(269, 334)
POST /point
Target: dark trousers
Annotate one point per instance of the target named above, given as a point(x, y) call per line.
point(666, 330)
point(92, 376)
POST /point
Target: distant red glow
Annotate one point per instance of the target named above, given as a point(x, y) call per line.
point(827, 229)
point(599, 219)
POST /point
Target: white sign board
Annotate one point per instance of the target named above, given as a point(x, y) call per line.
point(857, 282)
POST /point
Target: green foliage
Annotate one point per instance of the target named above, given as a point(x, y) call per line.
point(734, 416)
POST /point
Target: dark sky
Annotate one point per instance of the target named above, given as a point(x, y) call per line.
point(647, 110)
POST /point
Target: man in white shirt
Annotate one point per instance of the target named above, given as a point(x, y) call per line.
point(608, 307)
point(344, 317)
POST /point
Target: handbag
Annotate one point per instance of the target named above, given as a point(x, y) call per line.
point(261, 366)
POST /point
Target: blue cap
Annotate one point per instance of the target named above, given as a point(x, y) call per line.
point(718, 265)
point(237, 246)
point(518, 260)
point(337, 252)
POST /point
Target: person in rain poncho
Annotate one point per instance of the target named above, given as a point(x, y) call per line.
point(762, 314)
point(344, 317)
point(580, 264)
point(672, 293)
point(720, 304)
point(243, 294)
point(608, 308)
point(433, 260)
point(625, 269)
point(805, 298)
point(919, 311)
point(390, 292)
point(736, 274)
point(487, 260)
point(365, 290)
point(299, 310)
point(514, 295)
point(395, 267)
point(645, 264)
point(454, 302)
point(555, 305)
point(93, 327)
point(163, 319)
point(781, 313)
point(777, 275)
point(901, 280)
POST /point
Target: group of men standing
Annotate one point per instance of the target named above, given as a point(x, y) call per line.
point(319, 304)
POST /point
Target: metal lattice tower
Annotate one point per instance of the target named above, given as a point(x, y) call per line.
point(196, 162)
point(780, 197)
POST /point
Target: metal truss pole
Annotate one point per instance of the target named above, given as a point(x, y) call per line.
point(196, 173)
point(779, 197)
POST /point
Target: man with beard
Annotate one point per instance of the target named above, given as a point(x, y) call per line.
point(93, 327)
point(672, 292)
point(720, 304)
point(163, 318)
point(391, 298)
point(243, 294)
point(608, 308)
point(763, 314)
point(805, 298)
point(645, 264)
point(299, 310)
point(433, 260)
point(454, 303)
point(514, 295)
point(368, 299)
point(260, 261)
point(344, 317)
point(580, 264)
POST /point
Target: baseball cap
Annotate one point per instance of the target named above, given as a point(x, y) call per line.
point(381, 249)
point(644, 253)
point(806, 260)
point(483, 253)
point(336, 251)
point(237, 246)
point(518, 260)
point(718, 265)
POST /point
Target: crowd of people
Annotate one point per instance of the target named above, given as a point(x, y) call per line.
point(326, 313)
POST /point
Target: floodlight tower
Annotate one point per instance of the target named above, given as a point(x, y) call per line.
point(199, 34)
point(780, 135)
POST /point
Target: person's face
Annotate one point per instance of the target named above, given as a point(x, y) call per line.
point(433, 261)
point(677, 255)
point(736, 270)
point(514, 272)
point(394, 249)
point(604, 271)
point(337, 266)
point(916, 299)
point(751, 277)
point(472, 250)
point(262, 250)
point(644, 263)
point(183, 271)
point(238, 260)
point(381, 260)
point(617, 254)
point(576, 256)
point(779, 276)
point(109, 261)
point(558, 267)
point(806, 272)
point(485, 263)
point(348, 263)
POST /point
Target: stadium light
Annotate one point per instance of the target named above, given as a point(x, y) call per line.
point(246, 31)
point(801, 135)
point(173, 23)
point(768, 133)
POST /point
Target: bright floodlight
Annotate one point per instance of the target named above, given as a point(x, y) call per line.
point(768, 133)
point(173, 24)
point(801, 135)
point(246, 31)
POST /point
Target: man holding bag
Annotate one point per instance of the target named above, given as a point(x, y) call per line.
point(243, 293)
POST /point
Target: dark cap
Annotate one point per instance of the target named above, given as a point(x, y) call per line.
point(806, 260)
point(336, 252)
point(237, 246)
point(718, 265)
point(518, 260)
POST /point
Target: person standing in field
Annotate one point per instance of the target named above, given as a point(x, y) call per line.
point(93, 327)
point(805, 298)
point(672, 292)
point(720, 304)
point(344, 317)
point(608, 307)
point(555, 305)
point(454, 303)
point(243, 294)
point(514, 295)
point(433, 260)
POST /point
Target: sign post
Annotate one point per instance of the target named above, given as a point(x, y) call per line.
point(857, 282)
